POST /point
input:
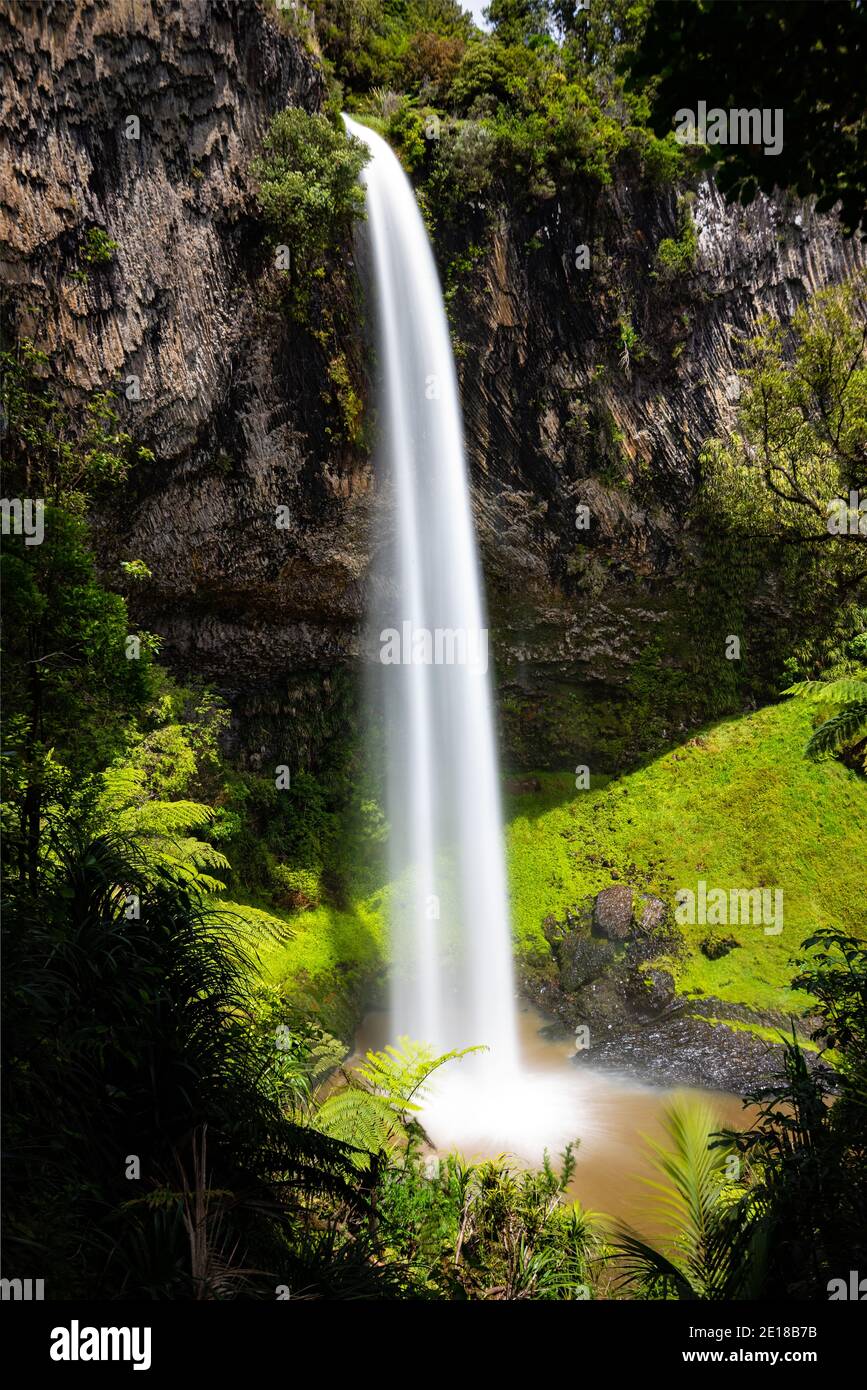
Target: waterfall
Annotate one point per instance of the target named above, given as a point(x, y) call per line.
point(453, 976)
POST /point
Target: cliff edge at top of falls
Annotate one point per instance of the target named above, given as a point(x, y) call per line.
point(238, 400)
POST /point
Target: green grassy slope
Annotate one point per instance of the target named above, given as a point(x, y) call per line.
point(737, 806)
point(324, 969)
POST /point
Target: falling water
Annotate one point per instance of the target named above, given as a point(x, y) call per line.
point(452, 979)
point(453, 983)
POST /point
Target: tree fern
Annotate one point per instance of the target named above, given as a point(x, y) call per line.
point(373, 1110)
point(148, 1019)
point(843, 729)
point(161, 828)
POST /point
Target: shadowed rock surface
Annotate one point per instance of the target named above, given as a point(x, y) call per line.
point(636, 1021)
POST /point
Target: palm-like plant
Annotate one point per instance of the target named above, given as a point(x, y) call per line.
point(808, 1158)
point(128, 1032)
point(841, 705)
point(519, 1236)
point(713, 1251)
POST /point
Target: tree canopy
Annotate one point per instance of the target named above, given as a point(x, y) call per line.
point(804, 59)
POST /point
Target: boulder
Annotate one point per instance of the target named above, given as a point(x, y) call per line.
point(583, 960)
point(576, 920)
point(612, 913)
point(604, 1004)
point(714, 947)
point(660, 989)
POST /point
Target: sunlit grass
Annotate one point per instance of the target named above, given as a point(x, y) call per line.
point(738, 806)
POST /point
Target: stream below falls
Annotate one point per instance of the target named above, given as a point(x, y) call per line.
point(557, 1096)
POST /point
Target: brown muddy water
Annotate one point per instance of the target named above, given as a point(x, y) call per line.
point(558, 1098)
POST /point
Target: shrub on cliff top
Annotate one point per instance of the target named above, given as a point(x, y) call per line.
point(308, 183)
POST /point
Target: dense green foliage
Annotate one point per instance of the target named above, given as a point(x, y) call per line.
point(779, 495)
point(129, 1038)
point(547, 82)
point(310, 198)
point(467, 109)
point(677, 255)
point(804, 59)
point(308, 183)
point(376, 42)
point(68, 681)
point(51, 451)
point(801, 437)
point(489, 1231)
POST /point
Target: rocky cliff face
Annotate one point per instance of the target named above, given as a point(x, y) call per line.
point(234, 399)
point(237, 403)
point(560, 416)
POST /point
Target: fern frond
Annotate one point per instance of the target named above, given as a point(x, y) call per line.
point(361, 1118)
point(254, 920)
point(843, 691)
point(121, 787)
point(200, 854)
point(373, 1111)
point(325, 1055)
point(206, 883)
point(849, 724)
point(402, 1072)
point(165, 817)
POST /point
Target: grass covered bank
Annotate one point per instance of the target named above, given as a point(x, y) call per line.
point(737, 806)
point(328, 968)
